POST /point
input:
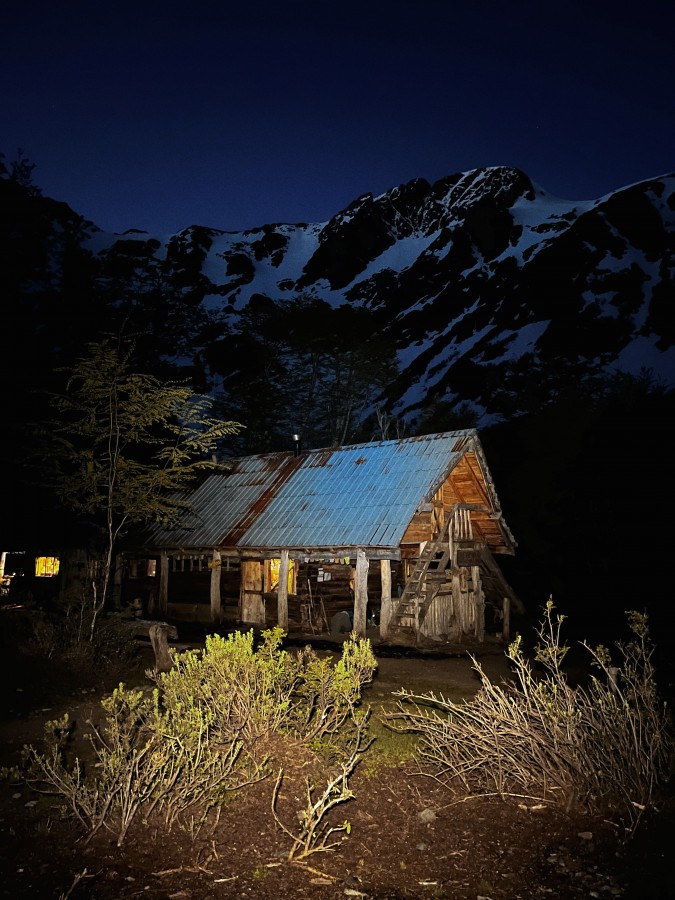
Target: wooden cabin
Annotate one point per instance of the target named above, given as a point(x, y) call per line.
point(403, 534)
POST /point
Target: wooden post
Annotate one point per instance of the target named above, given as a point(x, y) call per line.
point(361, 593)
point(282, 592)
point(163, 599)
point(464, 616)
point(216, 609)
point(386, 606)
point(159, 634)
point(506, 620)
point(479, 602)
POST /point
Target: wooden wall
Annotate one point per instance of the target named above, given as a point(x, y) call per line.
point(323, 589)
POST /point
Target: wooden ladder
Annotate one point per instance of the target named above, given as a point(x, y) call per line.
point(425, 579)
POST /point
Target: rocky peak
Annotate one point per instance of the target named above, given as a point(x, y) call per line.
point(482, 278)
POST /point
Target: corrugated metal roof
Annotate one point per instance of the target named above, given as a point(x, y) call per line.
point(359, 495)
point(224, 505)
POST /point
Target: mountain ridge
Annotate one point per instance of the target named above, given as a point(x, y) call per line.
point(480, 268)
point(482, 281)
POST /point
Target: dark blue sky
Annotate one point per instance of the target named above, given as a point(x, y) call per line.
point(158, 115)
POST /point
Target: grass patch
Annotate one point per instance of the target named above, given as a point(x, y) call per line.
point(389, 748)
point(381, 691)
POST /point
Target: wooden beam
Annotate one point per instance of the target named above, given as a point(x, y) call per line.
point(163, 599)
point(506, 620)
point(386, 605)
point(493, 569)
point(216, 608)
point(361, 593)
point(282, 592)
point(272, 552)
point(479, 603)
point(251, 603)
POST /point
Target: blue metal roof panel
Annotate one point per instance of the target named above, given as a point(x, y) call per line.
point(360, 495)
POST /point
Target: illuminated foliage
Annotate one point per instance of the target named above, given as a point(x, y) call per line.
point(124, 445)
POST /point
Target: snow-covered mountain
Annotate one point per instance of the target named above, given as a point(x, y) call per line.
point(486, 282)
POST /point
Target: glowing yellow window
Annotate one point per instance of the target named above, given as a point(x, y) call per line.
point(45, 566)
point(272, 567)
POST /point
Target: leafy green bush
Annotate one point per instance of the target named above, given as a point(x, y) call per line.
point(254, 692)
point(179, 751)
point(56, 643)
point(606, 745)
point(247, 691)
point(147, 757)
point(327, 694)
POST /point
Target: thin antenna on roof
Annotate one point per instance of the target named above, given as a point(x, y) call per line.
point(296, 441)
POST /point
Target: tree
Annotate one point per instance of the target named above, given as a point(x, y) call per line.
point(124, 445)
point(302, 366)
point(20, 171)
point(341, 364)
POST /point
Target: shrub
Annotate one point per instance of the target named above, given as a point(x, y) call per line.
point(147, 757)
point(315, 834)
point(254, 692)
point(61, 635)
point(606, 745)
point(247, 691)
point(327, 694)
point(179, 751)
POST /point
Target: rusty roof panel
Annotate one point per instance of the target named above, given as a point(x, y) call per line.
point(226, 504)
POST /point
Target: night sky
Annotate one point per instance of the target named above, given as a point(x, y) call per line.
point(159, 115)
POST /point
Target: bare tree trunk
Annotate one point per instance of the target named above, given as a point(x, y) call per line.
point(98, 602)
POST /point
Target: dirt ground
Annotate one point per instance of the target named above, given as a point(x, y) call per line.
point(409, 836)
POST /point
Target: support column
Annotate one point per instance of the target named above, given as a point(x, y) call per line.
point(506, 620)
point(479, 602)
point(216, 610)
point(386, 605)
point(282, 592)
point(460, 599)
point(163, 599)
point(361, 593)
point(252, 605)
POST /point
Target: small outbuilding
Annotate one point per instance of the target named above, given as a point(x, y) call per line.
point(403, 534)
